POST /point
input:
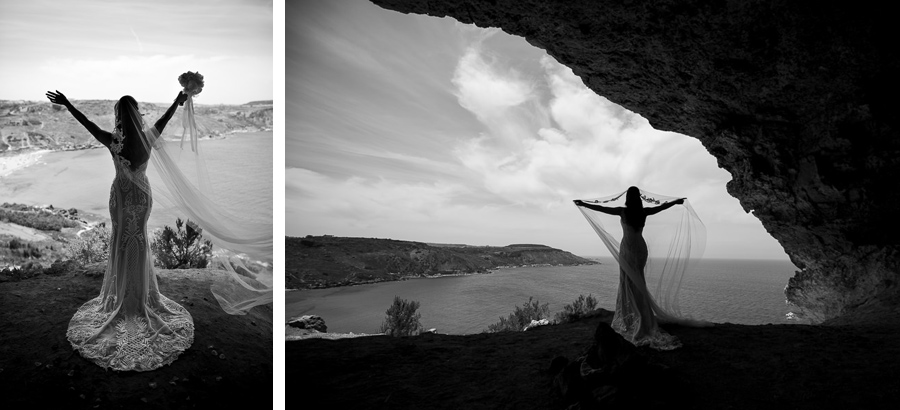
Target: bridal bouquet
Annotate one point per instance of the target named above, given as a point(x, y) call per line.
point(193, 84)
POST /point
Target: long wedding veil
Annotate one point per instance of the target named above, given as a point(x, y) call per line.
point(244, 254)
point(676, 239)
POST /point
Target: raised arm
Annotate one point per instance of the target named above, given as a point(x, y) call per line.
point(604, 209)
point(162, 121)
point(104, 137)
point(663, 207)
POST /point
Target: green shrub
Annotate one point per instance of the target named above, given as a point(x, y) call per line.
point(181, 248)
point(578, 309)
point(401, 318)
point(521, 317)
point(91, 246)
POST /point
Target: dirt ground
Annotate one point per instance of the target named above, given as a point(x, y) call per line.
point(38, 367)
point(724, 367)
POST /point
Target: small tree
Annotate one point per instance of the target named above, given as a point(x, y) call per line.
point(181, 249)
point(92, 246)
point(578, 309)
point(401, 318)
point(521, 317)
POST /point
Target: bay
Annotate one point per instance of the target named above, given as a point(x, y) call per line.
point(239, 166)
point(735, 291)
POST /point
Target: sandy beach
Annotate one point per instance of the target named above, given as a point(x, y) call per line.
point(13, 162)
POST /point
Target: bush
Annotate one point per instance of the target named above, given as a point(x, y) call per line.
point(578, 309)
point(181, 249)
point(521, 317)
point(17, 273)
point(92, 246)
point(401, 318)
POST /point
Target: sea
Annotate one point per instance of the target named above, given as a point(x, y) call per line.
point(239, 166)
point(717, 290)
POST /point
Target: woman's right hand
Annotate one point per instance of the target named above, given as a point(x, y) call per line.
point(578, 202)
point(57, 98)
point(181, 98)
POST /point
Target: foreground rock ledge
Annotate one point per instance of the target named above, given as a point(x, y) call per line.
point(797, 101)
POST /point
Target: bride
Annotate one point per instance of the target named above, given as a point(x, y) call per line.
point(637, 313)
point(130, 325)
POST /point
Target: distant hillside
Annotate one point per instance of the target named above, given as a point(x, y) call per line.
point(326, 261)
point(42, 125)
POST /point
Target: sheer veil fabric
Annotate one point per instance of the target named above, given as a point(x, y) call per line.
point(239, 239)
point(659, 257)
point(131, 326)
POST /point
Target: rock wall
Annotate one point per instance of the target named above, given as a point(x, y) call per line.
point(797, 100)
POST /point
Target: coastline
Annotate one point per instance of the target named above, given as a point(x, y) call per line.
point(14, 160)
point(19, 160)
point(434, 276)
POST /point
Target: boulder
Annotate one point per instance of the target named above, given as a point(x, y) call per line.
point(536, 323)
point(311, 322)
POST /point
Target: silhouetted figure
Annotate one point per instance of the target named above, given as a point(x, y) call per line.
point(130, 326)
point(635, 309)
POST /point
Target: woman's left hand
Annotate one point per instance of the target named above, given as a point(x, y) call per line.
point(181, 98)
point(680, 201)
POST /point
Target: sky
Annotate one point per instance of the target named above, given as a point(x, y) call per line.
point(426, 129)
point(98, 49)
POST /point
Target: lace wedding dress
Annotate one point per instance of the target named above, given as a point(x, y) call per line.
point(130, 325)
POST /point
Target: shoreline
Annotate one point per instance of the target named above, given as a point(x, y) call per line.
point(14, 160)
point(435, 276)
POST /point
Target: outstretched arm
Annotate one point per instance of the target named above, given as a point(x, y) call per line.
point(104, 137)
point(604, 209)
point(663, 207)
point(162, 121)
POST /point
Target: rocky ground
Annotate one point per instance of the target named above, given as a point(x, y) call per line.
point(726, 366)
point(39, 369)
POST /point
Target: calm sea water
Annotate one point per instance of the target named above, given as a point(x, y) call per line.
point(735, 291)
point(240, 169)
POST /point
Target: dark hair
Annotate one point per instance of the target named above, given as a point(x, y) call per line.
point(633, 197)
point(133, 149)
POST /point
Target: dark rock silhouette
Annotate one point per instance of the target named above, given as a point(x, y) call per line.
point(796, 100)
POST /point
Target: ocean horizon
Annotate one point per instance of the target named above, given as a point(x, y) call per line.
point(740, 291)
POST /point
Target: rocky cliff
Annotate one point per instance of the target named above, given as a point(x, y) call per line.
point(797, 100)
point(42, 125)
point(324, 261)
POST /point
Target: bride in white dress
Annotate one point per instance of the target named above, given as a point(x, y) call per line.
point(637, 312)
point(130, 325)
